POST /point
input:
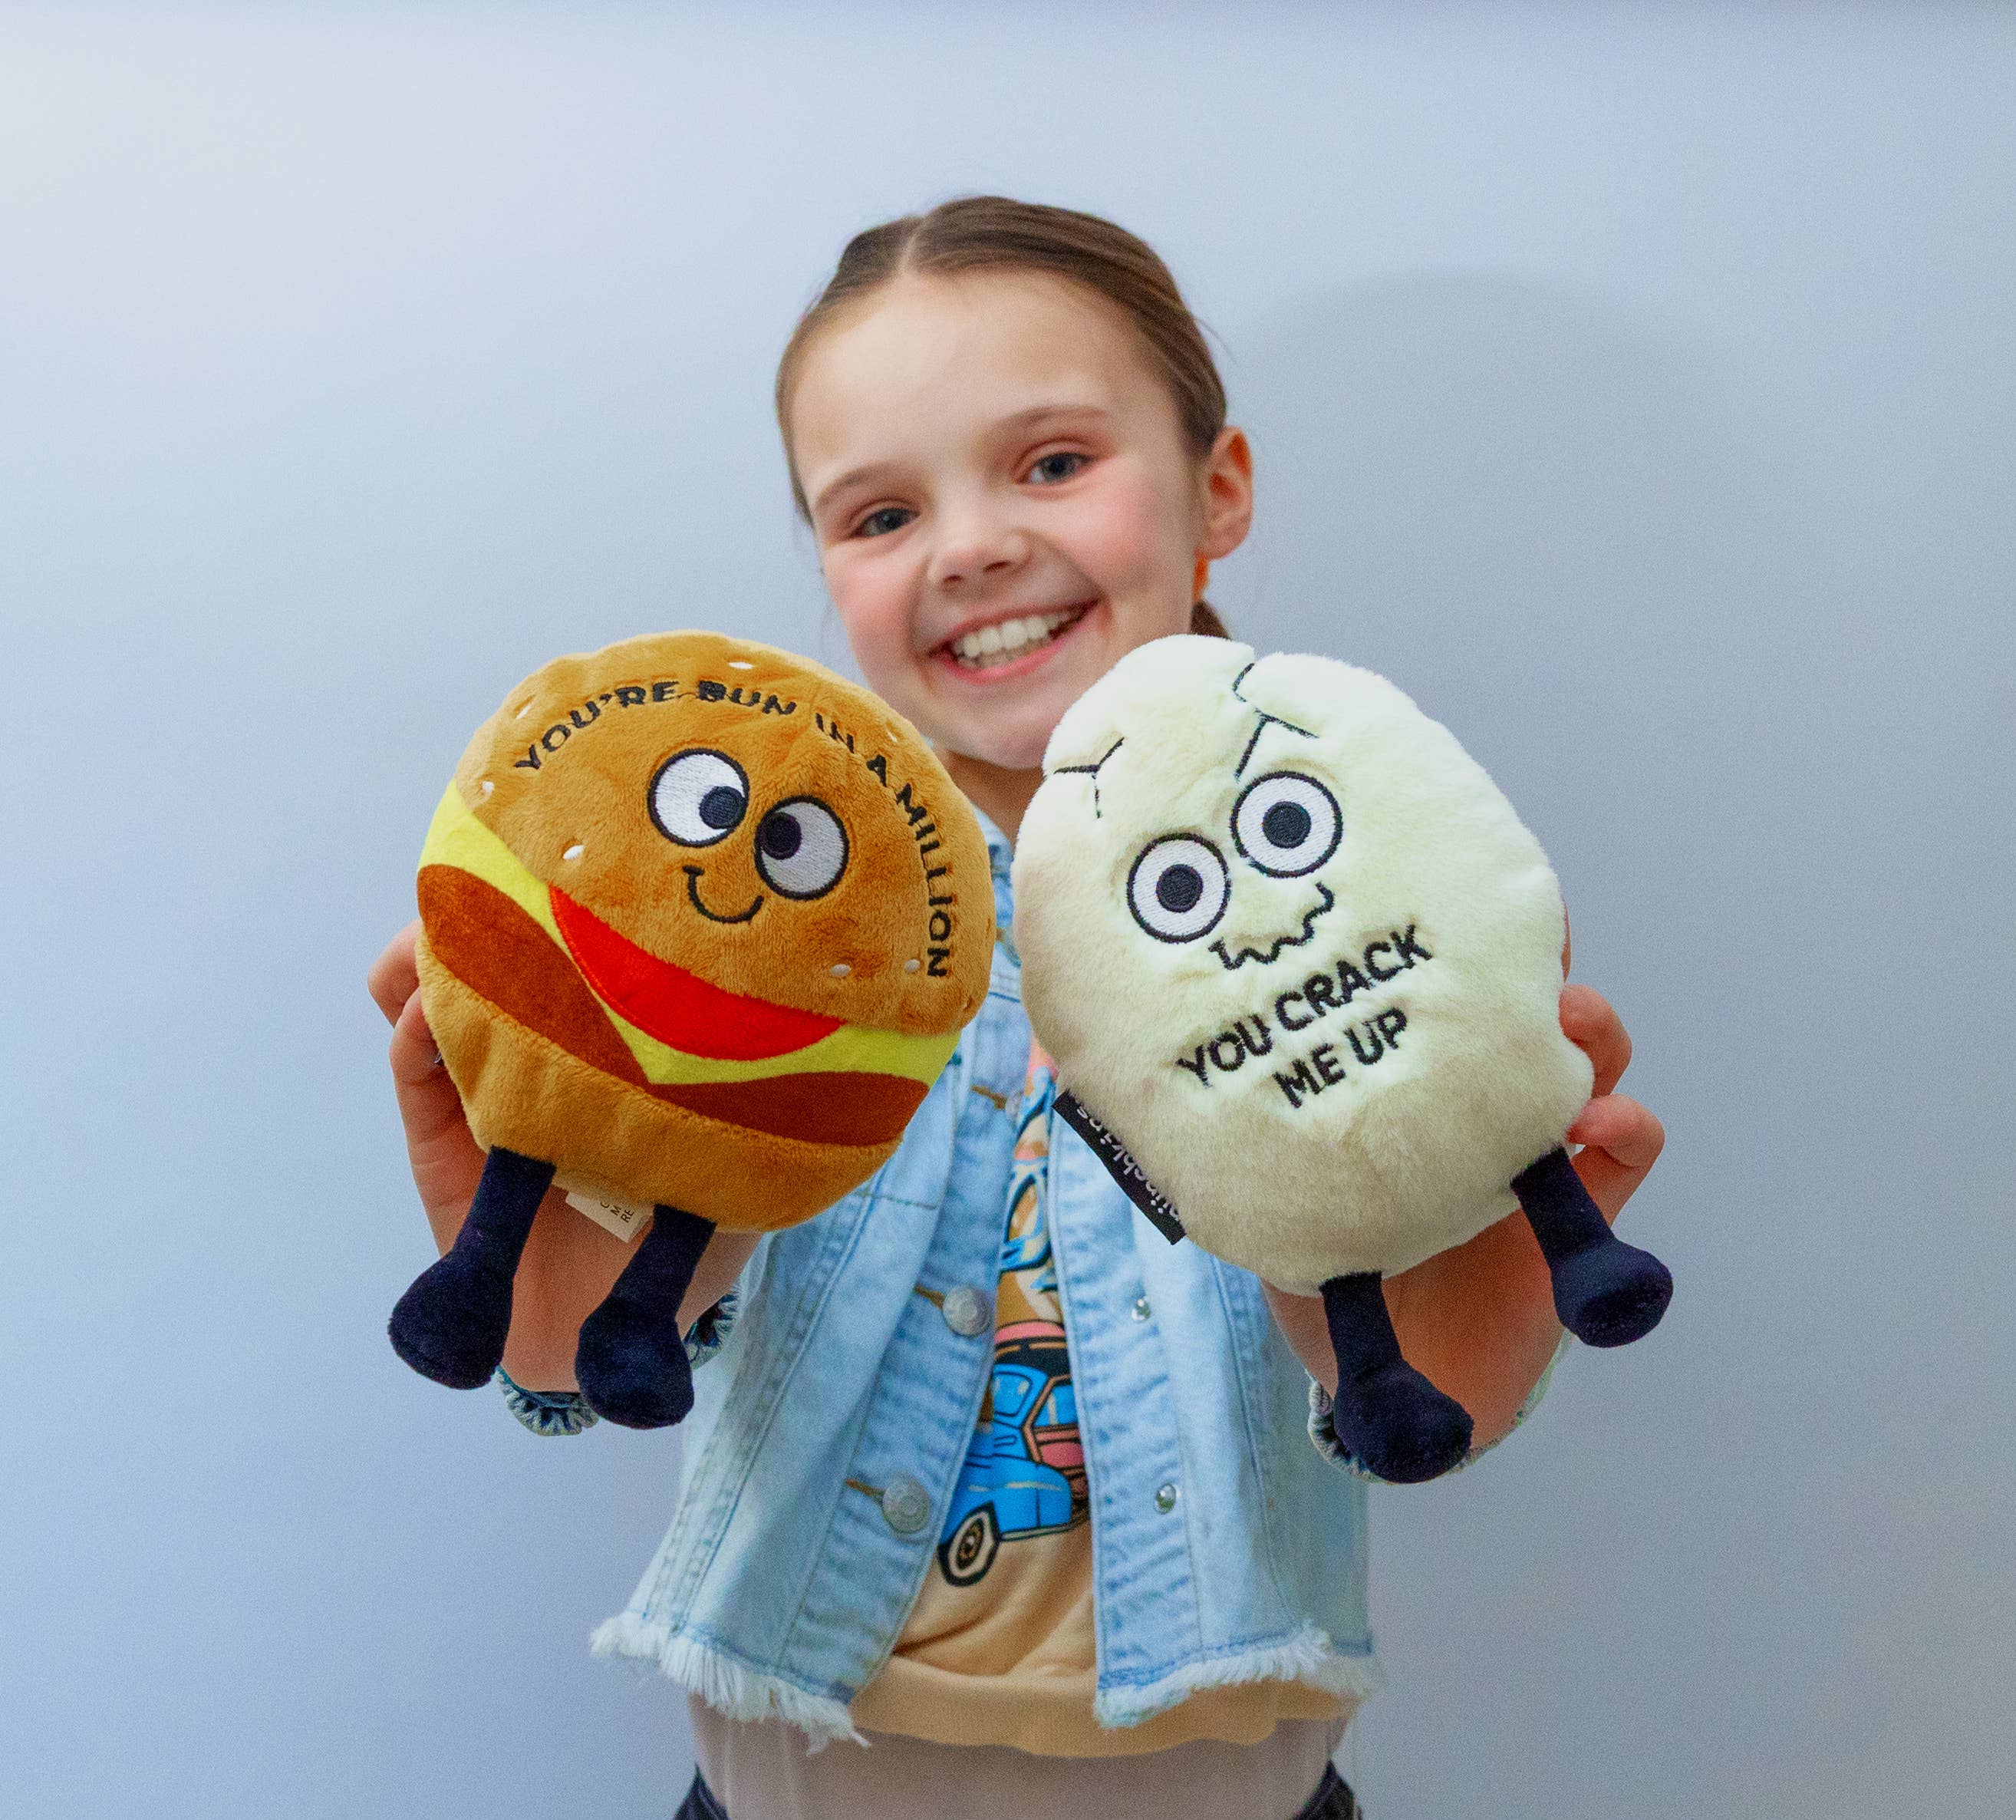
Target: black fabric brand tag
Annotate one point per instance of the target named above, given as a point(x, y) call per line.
point(1123, 1169)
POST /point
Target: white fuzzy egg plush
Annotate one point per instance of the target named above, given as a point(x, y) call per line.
point(1296, 955)
point(1285, 937)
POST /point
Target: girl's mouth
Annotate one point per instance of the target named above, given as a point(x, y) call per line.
point(1006, 641)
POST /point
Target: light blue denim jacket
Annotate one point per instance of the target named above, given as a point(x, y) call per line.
point(826, 1442)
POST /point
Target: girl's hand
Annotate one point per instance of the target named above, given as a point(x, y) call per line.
point(570, 1262)
point(1478, 1320)
point(445, 1160)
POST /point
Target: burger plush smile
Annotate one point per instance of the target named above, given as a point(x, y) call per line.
point(693, 892)
point(987, 646)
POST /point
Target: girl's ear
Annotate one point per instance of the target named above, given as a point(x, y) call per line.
point(1228, 495)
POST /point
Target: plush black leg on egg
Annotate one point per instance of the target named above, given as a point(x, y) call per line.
point(451, 1325)
point(1607, 1293)
point(631, 1359)
point(1393, 1421)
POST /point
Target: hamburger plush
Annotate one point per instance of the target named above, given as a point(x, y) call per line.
point(1298, 962)
point(700, 924)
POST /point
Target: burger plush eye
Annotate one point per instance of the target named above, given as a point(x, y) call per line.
point(800, 847)
point(699, 797)
point(1287, 823)
point(1178, 888)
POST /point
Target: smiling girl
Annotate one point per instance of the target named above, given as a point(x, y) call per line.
point(1058, 1521)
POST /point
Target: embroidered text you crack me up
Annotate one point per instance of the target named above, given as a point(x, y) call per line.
point(1318, 998)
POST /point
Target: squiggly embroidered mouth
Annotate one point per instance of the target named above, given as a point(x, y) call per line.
point(1280, 942)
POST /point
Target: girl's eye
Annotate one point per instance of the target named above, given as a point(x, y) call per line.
point(1286, 824)
point(1178, 888)
point(881, 523)
point(1060, 466)
point(699, 797)
point(801, 848)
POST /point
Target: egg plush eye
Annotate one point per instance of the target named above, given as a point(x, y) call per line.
point(1287, 823)
point(800, 847)
point(699, 797)
point(1178, 888)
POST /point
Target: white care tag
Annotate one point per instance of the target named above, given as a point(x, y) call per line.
point(620, 1217)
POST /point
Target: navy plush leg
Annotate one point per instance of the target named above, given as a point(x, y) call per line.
point(631, 1359)
point(450, 1325)
point(1394, 1421)
point(1607, 1293)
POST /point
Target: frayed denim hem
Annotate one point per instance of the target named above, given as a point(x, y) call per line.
point(1308, 1656)
point(735, 1689)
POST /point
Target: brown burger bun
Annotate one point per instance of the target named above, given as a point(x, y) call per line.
point(585, 792)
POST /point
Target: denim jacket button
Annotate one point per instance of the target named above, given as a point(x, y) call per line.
point(966, 1311)
point(1141, 1308)
point(906, 1506)
point(1165, 1498)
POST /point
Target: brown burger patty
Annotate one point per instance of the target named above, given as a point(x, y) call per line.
point(820, 1108)
point(495, 949)
point(502, 954)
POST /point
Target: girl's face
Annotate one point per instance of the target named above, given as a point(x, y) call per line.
point(1004, 501)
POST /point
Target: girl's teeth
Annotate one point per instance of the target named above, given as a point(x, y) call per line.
point(1010, 638)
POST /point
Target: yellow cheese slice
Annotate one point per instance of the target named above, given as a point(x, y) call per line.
point(456, 838)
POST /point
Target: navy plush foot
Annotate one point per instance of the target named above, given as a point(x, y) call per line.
point(1389, 1418)
point(1395, 1423)
point(451, 1325)
point(1607, 1293)
point(631, 1366)
point(631, 1359)
point(1610, 1294)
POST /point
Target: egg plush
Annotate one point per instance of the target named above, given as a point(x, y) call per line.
point(1298, 962)
point(700, 924)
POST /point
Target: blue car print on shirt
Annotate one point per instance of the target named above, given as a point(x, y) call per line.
point(1024, 1469)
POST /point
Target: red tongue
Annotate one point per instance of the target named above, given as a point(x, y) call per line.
point(677, 1008)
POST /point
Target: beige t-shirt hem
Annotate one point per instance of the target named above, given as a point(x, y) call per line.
point(1050, 1714)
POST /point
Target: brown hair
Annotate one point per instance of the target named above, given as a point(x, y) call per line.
point(996, 233)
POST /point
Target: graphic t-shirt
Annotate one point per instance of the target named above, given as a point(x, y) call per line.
point(1019, 1519)
point(999, 1648)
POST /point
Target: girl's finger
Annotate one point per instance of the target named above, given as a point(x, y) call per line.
point(1621, 1140)
point(1588, 1022)
point(414, 1056)
point(1630, 1131)
point(395, 974)
point(1306, 1328)
point(429, 1108)
point(446, 1161)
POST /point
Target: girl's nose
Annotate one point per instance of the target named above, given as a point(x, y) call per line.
point(977, 551)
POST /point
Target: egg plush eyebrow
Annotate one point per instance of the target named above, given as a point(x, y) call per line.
point(1091, 771)
point(1266, 721)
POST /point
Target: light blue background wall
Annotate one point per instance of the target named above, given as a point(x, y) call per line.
point(1633, 383)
